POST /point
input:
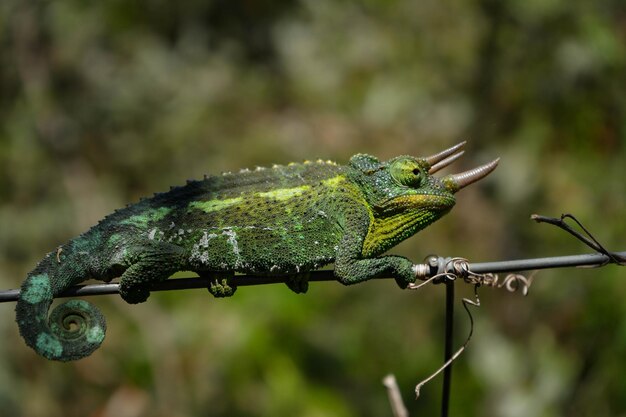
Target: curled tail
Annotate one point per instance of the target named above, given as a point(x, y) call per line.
point(74, 329)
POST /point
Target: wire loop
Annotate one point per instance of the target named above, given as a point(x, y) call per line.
point(451, 269)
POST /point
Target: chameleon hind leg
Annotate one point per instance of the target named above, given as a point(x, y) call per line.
point(151, 264)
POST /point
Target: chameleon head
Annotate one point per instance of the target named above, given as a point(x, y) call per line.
point(403, 194)
point(415, 182)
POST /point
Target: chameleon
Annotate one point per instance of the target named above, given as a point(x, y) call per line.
point(285, 220)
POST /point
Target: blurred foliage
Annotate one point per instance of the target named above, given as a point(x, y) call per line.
point(104, 102)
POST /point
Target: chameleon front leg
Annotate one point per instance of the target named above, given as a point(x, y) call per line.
point(151, 263)
point(352, 267)
point(352, 270)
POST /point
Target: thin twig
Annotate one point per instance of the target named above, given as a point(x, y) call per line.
point(395, 397)
point(589, 239)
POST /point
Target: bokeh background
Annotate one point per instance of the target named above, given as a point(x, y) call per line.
point(106, 101)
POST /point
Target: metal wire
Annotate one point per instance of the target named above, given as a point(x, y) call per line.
point(447, 350)
point(591, 259)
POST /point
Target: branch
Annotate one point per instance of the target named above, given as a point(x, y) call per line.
point(395, 397)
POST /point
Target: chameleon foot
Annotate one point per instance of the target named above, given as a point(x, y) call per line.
point(221, 288)
point(134, 295)
point(298, 283)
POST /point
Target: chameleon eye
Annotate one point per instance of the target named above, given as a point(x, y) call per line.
point(406, 172)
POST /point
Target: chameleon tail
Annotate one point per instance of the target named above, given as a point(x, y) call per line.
point(75, 328)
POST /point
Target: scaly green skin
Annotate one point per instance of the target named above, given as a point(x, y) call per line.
point(286, 220)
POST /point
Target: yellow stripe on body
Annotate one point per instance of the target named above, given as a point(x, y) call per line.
point(284, 193)
point(280, 194)
point(334, 181)
point(215, 205)
point(288, 193)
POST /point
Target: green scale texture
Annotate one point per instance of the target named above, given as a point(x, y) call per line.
point(284, 220)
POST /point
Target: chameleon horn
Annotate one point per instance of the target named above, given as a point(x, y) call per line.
point(442, 164)
point(432, 160)
point(458, 181)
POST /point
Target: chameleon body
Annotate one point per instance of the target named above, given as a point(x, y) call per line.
point(284, 220)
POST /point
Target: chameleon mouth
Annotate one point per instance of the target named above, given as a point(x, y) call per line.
point(455, 182)
point(433, 201)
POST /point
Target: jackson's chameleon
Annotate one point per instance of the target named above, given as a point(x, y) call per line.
point(284, 220)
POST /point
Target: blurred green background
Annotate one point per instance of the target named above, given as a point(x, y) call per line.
point(103, 102)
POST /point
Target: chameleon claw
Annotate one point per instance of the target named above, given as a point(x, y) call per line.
point(221, 288)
